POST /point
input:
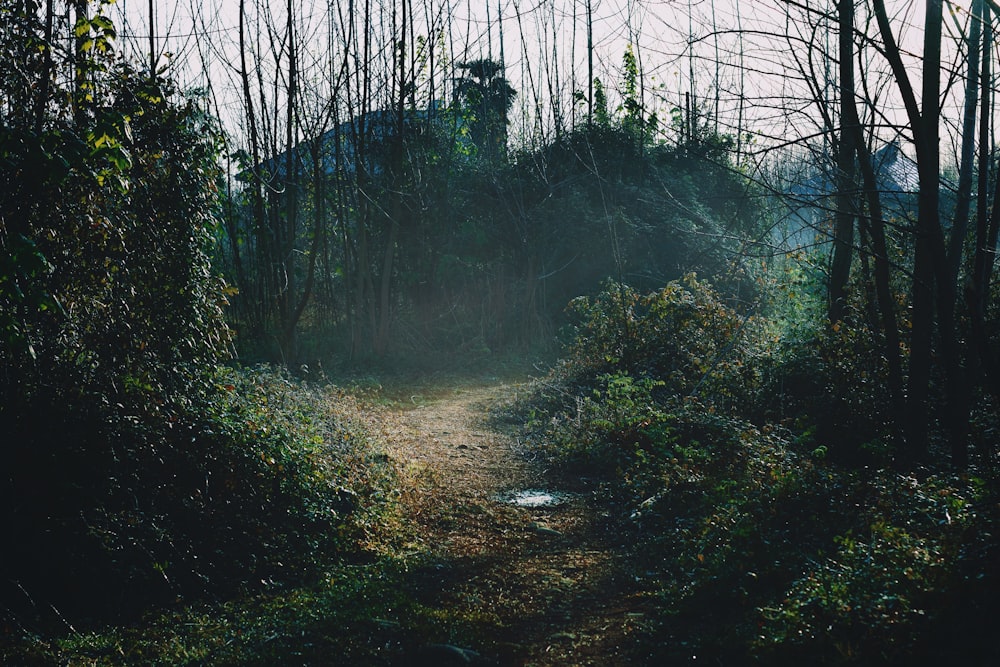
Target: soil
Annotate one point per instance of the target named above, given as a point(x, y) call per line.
point(523, 585)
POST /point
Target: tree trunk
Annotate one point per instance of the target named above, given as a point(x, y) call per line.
point(381, 341)
point(929, 245)
point(880, 255)
point(259, 295)
point(319, 214)
point(924, 121)
point(987, 225)
point(958, 392)
point(843, 237)
point(42, 100)
point(287, 229)
point(81, 73)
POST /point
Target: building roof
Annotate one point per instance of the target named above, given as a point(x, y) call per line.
point(338, 146)
point(896, 173)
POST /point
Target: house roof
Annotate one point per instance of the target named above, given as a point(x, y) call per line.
point(895, 171)
point(338, 145)
point(810, 204)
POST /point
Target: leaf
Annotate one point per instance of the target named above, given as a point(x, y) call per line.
point(102, 22)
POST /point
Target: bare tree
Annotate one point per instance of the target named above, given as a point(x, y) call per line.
point(843, 235)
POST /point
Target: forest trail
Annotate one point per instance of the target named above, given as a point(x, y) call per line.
point(523, 585)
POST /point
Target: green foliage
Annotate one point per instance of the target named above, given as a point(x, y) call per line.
point(107, 227)
point(22, 272)
point(683, 335)
point(555, 223)
point(486, 97)
point(254, 480)
point(136, 472)
point(828, 379)
point(632, 120)
point(761, 545)
point(888, 588)
point(334, 617)
point(486, 252)
point(612, 425)
point(761, 549)
point(601, 116)
point(175, 300)
point(865, 599)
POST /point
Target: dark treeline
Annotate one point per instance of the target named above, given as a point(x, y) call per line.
point(487, 253)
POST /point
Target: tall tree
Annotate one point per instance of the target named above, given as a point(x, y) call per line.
point(843, 235)
point(924, 122)
point(987, 227)
point(958, 394)
point(485, 92)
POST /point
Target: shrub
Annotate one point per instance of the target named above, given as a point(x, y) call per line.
point(833, 386)
point(250, 482)
point(683, 336)
point(909, 563)
point(761, 545)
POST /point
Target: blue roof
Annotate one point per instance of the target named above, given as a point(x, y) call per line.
point(895, 171)
point(337, 146)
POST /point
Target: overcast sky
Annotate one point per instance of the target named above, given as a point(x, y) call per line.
point(718, 50)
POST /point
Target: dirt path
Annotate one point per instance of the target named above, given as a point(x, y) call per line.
point(520, 585)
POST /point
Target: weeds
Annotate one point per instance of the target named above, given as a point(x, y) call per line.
point(255, 481)
point(759, 545)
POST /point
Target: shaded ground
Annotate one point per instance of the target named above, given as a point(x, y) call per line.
point(526, 585)
point(444, 570)
point(454, 574)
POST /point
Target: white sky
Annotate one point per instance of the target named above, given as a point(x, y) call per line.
point(683, 46)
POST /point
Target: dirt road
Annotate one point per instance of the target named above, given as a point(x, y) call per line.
point(519, 584)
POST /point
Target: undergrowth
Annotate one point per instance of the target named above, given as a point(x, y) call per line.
point(256, 482)
point(292, 552)
point(348, 615)
point(759, 543)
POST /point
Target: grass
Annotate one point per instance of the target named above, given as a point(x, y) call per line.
point(762, 550)
point(336, 575)
point(349, 614)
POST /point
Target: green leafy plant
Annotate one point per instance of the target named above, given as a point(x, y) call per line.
point(138, 472)
point(763, 541)
point(682, 335)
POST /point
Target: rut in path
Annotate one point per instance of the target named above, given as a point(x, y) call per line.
point(538, 585)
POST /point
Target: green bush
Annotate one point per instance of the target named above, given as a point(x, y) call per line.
point(913, 562)
point(683, 336)
point(135, 472)
point(251, 482)
point(761, 545)
point(834, 386)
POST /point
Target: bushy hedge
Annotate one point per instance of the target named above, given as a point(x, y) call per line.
point(135, 472)
point(759, 545)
